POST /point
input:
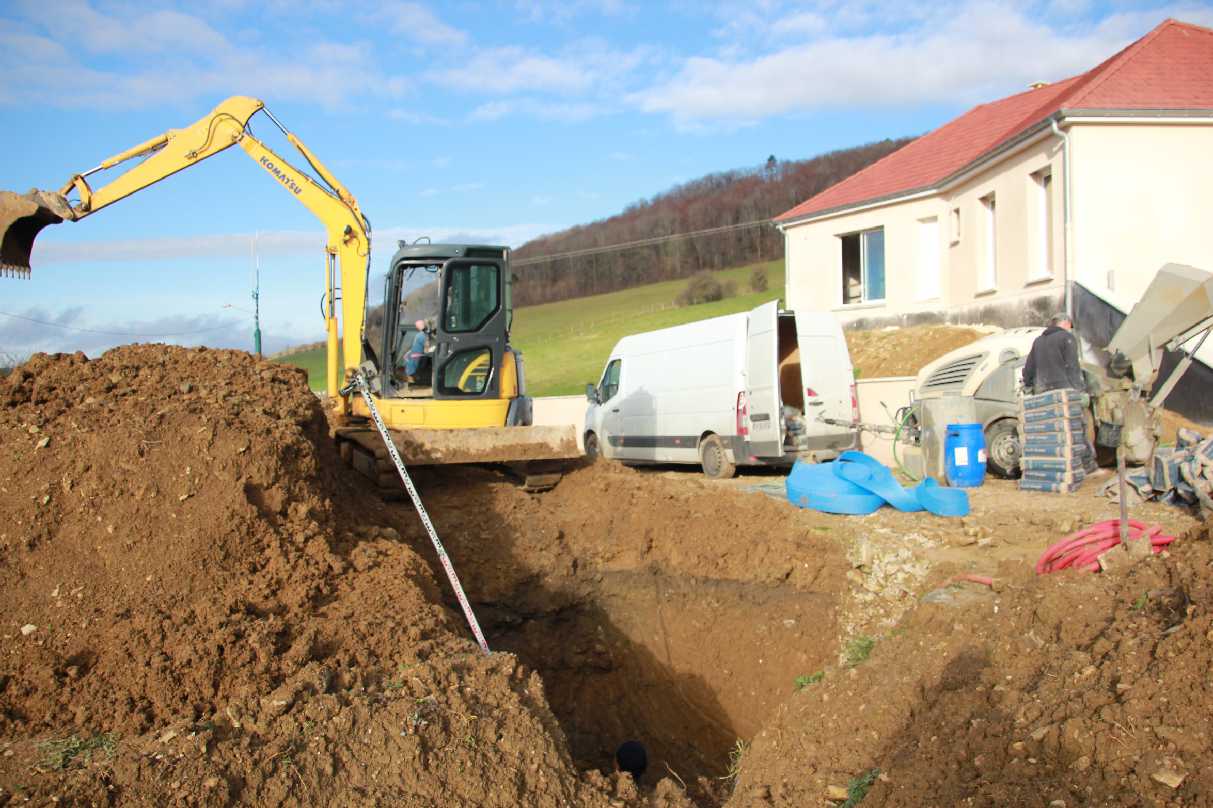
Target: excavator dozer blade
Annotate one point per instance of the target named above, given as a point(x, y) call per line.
point(500, 444)
point(22, 217)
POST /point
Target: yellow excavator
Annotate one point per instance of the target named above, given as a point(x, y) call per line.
point(435, 348)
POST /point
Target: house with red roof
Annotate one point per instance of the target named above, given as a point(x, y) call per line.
point(1080, 188)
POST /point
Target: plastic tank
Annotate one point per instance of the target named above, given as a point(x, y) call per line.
point(965, 455)
point(934, 416)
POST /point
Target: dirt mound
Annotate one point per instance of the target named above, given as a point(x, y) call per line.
point(1078, 688)
point(199, 609)
point(904, 351)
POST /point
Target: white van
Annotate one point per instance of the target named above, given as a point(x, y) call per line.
point(743, 389)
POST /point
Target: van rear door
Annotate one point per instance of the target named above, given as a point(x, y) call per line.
point(762, 403)
point(826, 377)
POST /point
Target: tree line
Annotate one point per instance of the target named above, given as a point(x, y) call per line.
point(717, 200)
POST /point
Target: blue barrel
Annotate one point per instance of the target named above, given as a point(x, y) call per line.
point(964, 455)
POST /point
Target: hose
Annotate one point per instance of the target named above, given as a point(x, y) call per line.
point(1081, 549)
point(909, 412)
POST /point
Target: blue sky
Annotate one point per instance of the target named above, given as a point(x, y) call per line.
point(473, 120)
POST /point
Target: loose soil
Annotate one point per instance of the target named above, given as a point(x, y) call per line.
point(904, 351)
point(203, 607)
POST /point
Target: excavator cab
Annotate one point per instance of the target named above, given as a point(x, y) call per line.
point(462, 294)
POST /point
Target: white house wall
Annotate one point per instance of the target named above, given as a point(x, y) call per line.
point(1143, 198)
point(814, 250)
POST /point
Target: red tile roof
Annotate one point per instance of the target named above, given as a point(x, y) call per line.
point(1170, 68)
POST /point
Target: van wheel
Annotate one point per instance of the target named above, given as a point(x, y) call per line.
point(1003, 448)
point(715, 458)
point(591, 447)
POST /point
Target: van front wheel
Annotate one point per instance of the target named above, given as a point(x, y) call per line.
point(714, 458)
point(591, 447)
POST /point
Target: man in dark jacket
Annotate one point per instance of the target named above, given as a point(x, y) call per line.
point(1053, 361)
point(1052, 364)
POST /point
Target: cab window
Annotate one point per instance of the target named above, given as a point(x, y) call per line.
point(467, 373)
point(610, 381)
point(471, 297)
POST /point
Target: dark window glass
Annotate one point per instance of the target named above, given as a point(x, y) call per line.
point(471, 296)
point(468, 372)
point(610, 380)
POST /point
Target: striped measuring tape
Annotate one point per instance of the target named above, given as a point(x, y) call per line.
point(359, 381)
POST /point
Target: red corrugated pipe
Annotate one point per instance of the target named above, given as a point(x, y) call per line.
point(1081, 550)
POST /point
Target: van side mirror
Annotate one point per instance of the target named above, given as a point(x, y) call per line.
point(591, 393)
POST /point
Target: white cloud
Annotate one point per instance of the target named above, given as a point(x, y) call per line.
point(419, 23)
point(564, 11)
point(968, 52)
point(71, 329)
point(801, 24)
point(164, 57)
point(270, 243)
point(150, 30)
point(582, 67)
point(511, 68)
point(416, 118)
point(492, 111)
point(562, 111)
point(221, 245)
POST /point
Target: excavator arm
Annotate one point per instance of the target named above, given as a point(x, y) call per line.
point(348, 242)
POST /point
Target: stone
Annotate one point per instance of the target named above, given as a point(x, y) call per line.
point(836, 793)
point(42, 444)
point(186, 388)
point(1169, 777)
point(28, 629)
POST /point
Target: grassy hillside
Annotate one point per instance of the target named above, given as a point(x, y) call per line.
point(565, 344)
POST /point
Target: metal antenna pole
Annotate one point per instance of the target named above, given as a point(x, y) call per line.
point(256, 297)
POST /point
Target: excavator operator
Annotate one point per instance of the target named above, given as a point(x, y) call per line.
point(417, 355)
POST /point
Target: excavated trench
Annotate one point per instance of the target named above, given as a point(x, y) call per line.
point(687, 666)
point(656, 608)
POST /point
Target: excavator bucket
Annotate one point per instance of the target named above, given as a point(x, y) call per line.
point(22, 217)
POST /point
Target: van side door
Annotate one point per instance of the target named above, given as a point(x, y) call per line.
point(762, 381)
point(827, 378)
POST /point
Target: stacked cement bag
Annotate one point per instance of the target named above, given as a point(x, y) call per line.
point(1180, 475)
point(1055, 448)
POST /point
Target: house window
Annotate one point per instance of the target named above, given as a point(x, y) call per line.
point(928, 258)
point(1042, 262)
point(987, 279)
point(955, 225)
point(863, 266)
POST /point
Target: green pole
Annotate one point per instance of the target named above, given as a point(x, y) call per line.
point(256, 299)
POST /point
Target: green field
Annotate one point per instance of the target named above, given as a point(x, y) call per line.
point(565, 344)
